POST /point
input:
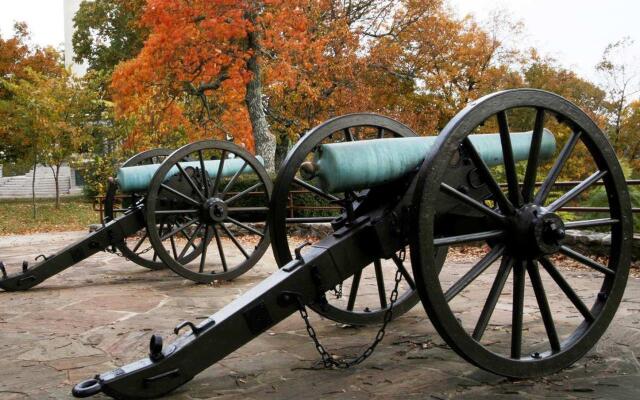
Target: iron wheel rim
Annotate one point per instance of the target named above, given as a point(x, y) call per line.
point(431, 292)
point(278, 209)
point(155, 156)
point(212, 231)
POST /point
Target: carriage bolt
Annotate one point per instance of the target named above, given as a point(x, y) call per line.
point(155, 348)
point(556, 231)
point(25, 266)
point(218, 211)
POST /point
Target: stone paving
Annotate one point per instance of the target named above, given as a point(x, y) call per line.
point(99, 315)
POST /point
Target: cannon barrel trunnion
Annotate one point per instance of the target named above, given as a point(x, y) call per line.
point(167, 208)
point(457, 193)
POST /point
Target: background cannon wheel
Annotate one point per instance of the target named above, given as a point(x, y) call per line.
point(137, 248)
point(208, 210)
point(363, 298)
point(515, 333)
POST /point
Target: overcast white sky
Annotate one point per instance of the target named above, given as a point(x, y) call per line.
point(575, 32)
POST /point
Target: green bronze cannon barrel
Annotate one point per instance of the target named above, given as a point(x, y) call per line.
point(364, 164)
point(132, 179)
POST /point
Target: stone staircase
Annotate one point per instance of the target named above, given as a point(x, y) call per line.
point(15, 187)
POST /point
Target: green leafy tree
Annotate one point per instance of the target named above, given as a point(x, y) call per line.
point(108, 32)
point(47, 115)
point(17, 57)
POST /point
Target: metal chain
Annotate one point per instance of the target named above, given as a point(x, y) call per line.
point(327, 359)
point(337, 291)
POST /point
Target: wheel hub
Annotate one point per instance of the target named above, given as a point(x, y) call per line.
point(534, 232)
point(215, 210)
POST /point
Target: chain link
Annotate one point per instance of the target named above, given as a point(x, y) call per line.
point(337, 291)
point(330, 361)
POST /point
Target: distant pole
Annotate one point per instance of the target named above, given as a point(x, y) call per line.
point(33, 183)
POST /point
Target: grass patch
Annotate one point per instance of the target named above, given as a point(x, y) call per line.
point(75, 214)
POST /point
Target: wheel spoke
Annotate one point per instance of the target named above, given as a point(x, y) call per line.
point(315, 190)
point(174, 250)
point(139, 243)
point(380, 133)
point(247, 227)
point(581, 258)
point(494, 296)
point(205, 178)
point(235, 241)
point(190, 241)
point(534, 157)
point(205, 243)
point(404, 271)
point(348, 135)
point(180, 194)
point(171, 212)
point(243, 193)
point(517, 312)
point(566, 288)
point(186, 236)
point(576, 190)
point(247, 209)
point(590, 223)
point(220, 249)
point(216, 183)
point(550, 180)
point(178, 229)
point(474, 272)
point(471, 202)
point(543, 305)
point(382, 294)
point(233, 179)
point(191, 182)
point(509, 162)
point(487, 178)
point(471, 237)
point(354, 290)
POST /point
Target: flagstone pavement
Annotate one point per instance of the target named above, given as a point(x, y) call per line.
point(100, 313)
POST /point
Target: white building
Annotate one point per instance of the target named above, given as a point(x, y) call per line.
point(70, 9)
point(70, 181)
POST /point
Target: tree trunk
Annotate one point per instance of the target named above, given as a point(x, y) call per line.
point(56, 179)
point(282, 149)
point(33, 186)
point(265, 141)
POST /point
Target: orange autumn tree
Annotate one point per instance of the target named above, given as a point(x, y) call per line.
point(276, 68)
point(221, 44)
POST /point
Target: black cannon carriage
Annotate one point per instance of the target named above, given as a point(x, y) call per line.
point(464, 187)
point(177, 205)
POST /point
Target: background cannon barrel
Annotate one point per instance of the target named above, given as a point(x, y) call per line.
point(131, 179)
point(358, 165)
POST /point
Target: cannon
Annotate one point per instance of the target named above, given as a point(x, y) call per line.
point(465, 187)
point(173, 206)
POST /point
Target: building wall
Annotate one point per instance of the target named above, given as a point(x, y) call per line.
point(70, 9)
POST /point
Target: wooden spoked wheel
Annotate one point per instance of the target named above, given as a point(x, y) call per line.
point(218, 201)
point(362, 299)
point(138, 248)
point(542, 302)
